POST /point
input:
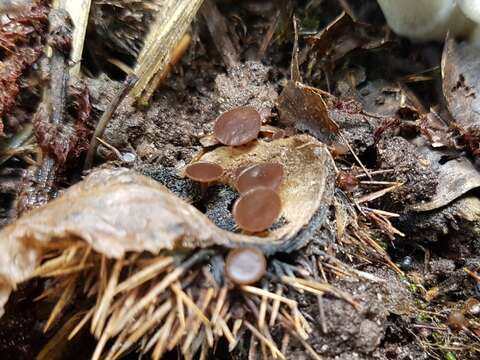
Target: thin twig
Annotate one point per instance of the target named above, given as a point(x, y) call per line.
point(355, 156)
point(129, 83)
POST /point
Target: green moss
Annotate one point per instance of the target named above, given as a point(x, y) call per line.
point(450, 356)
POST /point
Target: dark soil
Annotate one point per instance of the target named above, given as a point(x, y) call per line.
point(441, 243)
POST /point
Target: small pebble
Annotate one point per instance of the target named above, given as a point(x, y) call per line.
point(407, 263)
point(129, 157)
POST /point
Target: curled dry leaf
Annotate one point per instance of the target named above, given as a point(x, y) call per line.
point(455, 178)
point(303, 107)
point(118, 211)
point(461, 83)
point(342, 36)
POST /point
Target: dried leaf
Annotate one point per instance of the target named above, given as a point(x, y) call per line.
point(455, 178)
point(461, 83)
point(118, 211)
point(342, 36)
point(303, 107)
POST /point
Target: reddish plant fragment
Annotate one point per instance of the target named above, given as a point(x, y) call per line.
point(347, 181)
point(68, 140)
point(22, 49)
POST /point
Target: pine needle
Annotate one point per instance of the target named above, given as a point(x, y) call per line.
point(270, 344)
point(144, 275)
point(61, 303)
point(100, 316)
point(261, 292)
point(319, 288)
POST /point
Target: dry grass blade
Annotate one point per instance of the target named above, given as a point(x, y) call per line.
point(237, 325)
point(101, 313)
point(180, 307)
point(262, 312)
point(61, 303)
point(270, 344)
point(79, 12)
point(81, 324)
point(377, 194)
point(319, 289)
point(194, 324)
point(51, 265)
point(165, 331)
point(261, 292)
point(357, 159)
point(218, 306)
point(160, 287)
point(275, 306)
point(189, 302)
point(365, 238)
point(144, 275)
point(54, 348)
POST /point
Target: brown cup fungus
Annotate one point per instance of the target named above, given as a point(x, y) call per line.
point(269, 175)
point(238, 126)
point(245, 266)
point(204, 171)
point(456, 320)
point(338, 150)
point(257, 209)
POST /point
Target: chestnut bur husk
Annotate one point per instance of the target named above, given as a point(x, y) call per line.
point(144, 260)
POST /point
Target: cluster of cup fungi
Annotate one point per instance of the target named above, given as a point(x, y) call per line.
point(259, 204)
point(188, 301)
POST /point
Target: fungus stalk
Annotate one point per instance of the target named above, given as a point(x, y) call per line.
point(432, 19)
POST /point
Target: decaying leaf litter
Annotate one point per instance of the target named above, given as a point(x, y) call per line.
point(130, 256)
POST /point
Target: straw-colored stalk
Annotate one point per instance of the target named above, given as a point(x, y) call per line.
point(166, 34)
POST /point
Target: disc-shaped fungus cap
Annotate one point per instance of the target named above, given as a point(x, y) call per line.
point(257, 209)
point(456, 320)
point(204, 171)
point(268, 175)
point(238, 126)
point(245, 266)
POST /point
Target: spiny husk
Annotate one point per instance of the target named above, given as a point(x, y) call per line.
point(117, 211)
point(165, 302)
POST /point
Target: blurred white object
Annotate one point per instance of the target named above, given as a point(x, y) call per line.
point(432, 19)
point(471, 9)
